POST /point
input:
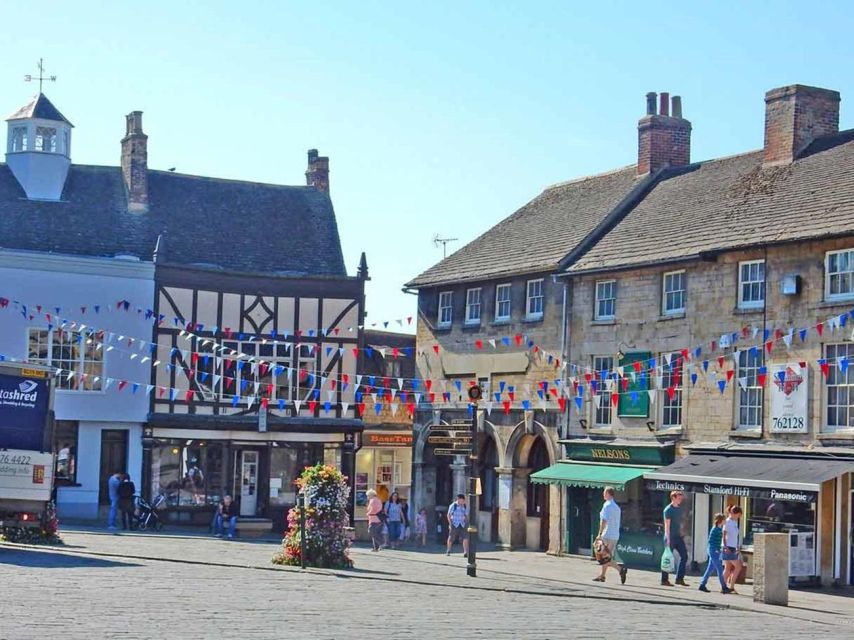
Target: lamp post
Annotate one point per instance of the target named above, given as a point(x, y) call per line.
point(475, 394)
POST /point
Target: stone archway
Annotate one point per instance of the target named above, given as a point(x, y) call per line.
point(488, 452)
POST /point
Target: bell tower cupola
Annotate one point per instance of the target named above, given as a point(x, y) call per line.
point(38, 148)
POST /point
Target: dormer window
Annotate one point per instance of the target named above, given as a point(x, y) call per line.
point(45, 139)
point(19, 139)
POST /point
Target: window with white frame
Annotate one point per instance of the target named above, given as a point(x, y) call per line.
point(839, 274)
point(750, 394)
point(751, 284)
point(606, 300)
point(602, 412)
point(673, 292)
point(840, 388)
point(534, 303)
point(473, 306)
point(502, 302)
point(45, 139)
point(446, 312)
point(19, 139)
point(671, 384)
point(78, 355)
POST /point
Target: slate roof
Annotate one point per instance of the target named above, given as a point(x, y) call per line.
point(39, 107)
point(733, 203)
point(539, 235)
point(228, 224)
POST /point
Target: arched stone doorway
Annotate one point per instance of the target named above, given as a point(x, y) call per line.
point(488, 513)
point(538, 512)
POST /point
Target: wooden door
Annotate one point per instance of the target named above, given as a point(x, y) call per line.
point(114, 459)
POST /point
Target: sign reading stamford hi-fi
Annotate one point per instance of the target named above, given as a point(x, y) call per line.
point(24, 405)
point(789, 399)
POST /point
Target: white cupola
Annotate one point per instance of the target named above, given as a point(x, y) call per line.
point(38, 148)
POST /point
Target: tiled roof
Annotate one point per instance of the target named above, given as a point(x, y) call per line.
point(539, 235)
point(39, 107)
point(734, 203)
point(233, 225)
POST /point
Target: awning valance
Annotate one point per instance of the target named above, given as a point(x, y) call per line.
point(781, 478)
point(580, 474)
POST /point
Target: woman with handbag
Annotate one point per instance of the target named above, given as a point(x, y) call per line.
point(376, 516)
point(730, 555)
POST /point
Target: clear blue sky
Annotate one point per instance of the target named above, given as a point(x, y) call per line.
point(438, 117)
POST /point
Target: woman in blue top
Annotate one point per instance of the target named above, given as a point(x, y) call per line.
point(394, 521)
point(715, 540)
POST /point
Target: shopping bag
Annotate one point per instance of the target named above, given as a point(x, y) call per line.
point(668, 562)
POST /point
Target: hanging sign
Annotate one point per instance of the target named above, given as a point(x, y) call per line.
point(789, 396)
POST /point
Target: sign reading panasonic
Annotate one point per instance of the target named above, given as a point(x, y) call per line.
point(23, 412)
point(732, 490)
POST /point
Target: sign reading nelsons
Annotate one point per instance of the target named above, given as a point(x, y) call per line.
point(619, 453)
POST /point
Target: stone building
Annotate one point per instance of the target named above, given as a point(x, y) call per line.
point(715, 317)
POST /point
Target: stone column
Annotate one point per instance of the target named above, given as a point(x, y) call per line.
point(423, 488)
point(458, 466)
point(771, 568)
point(512, 515)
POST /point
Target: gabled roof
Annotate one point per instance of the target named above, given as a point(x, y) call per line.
point(228, 224)
point(39, 107)
point(734, 203)
point(539, 235)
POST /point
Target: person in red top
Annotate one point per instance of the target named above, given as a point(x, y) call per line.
point(375, 514)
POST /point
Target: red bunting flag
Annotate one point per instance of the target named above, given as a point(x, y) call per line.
point(312, 405)
point(778, 333)
point(265, 402)
point(408, 319)
point(123, 384)
point(685, 355)
point(625, 383)
point(194, 358)
point(478, 344)
point(355, 352)
point(518, 338)
point(614, 399)
point(730, 374)
point(506, 404)
point(336, 331)
point(332, 383)
point(714, 346)
point(432, 397)
point(361, 408)
point(588, 377)
point(745, 331)
point(769, 346)
point(410, 407)
point(270, 390)
point(637, 365)
point(189, 395)
point(429, 384)
point(394, 352)
point(345, 378)
point(511, 395)
point(227, 332)
point(802, 365)
point(561, 402)
point(820, 328)
point(671, 392)
point(436, 349)
point(825, 368)
point(263, 367)
point(761, 378)
point(554, 391)
point(720, 362)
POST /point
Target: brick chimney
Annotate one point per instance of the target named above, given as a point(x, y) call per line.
point(795, 116)
point(317, 174)
point(664, 138)
point(135, 163)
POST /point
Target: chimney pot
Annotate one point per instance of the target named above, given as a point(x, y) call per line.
point(135, 163)
point(317, 173)
point(664, 99)
point(650, 103)
point(676, 101)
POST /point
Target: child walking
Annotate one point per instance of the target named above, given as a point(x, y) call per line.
point(421, 527)
point(715, 540)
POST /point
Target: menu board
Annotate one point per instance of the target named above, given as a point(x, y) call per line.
point(801, 553)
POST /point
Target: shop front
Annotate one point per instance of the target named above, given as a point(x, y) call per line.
point(384, 464)
point(591, 466)
point(194, 468)
point(782, 494)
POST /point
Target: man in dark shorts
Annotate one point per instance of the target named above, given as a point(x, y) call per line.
point(673, 515)
point(458, 521)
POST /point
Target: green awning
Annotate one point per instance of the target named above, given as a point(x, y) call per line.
point(579, 474)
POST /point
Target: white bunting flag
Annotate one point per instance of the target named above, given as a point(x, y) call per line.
point(492, 342)
point(256, 385)
point(787, 338)
point(488, 406)
point(297, 405)
point(358, 380)
point(345, 406)
point(668, 357)
point(742, 382)
point(393, 408)
point(651, 393)
point(148, 389)
point(597, 399)
point(382, 352)
point(400, 383)
point(216, 380)
point(107, 383)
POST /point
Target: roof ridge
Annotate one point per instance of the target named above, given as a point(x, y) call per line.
point(589, 177)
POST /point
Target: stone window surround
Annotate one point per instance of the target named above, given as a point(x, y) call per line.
point(599, 287)
point(751, 305)
point(473, 305)
point(529, 298)
point(671, 275)
point(828, 296)
point(448, 306)
point(601, 363)
point(825, 428)
point(499, 289)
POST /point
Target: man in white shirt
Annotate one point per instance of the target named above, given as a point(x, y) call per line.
point(608, 536)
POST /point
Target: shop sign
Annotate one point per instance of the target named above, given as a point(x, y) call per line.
point(732, 490)
point(639, 549)
point(23, 412)
point(451, 452)
point(606, 452)
point(789, 397)
point(387, 440)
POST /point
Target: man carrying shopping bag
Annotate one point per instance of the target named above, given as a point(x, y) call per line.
point(673, 541)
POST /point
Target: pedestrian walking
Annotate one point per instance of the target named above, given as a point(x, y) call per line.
point(113, 492)
point(673, 539)
point(731, 544)
point(226, 514)
point(421, 528)
point(714, 549)
point(458, 520)
point(127, 490)
point(609, 536)
point(375, 514)
point(394, 519)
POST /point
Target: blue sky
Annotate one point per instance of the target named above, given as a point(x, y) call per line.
point(439, 117)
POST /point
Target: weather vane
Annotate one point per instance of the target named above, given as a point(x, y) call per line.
point(41, 77)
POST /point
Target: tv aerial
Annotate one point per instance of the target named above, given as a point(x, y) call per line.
point(437, 240)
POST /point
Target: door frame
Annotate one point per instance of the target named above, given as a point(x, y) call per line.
point(238, 474)
point(104, 474)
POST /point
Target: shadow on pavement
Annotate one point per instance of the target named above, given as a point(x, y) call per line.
point(47, 560)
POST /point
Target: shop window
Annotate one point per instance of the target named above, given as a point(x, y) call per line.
point(776, 516)
point(602, 411)
point(189, 474)
point(840, 388)
point(751, 284)
point(364, 465)
point(65, 444)
point(306, 373)
point(284, 470)
point(750, 394)
point(79, 356)
point(606, 300)
point(672, 391)
point(384, 471)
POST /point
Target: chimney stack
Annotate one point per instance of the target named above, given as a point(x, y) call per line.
point(796, 115)
point(663, 139)
point(135, 163)
point(317, 174)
